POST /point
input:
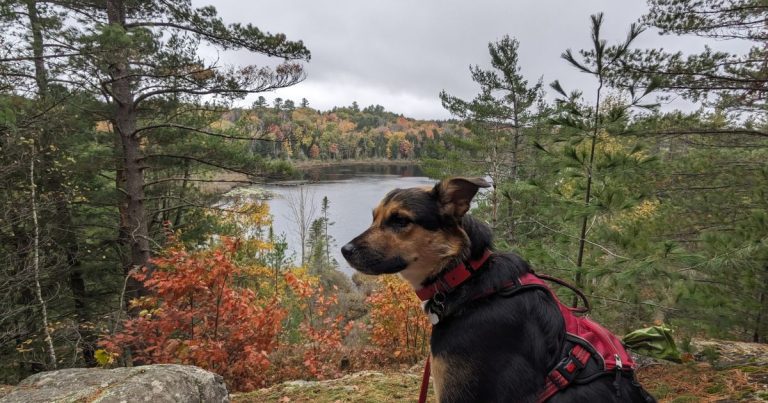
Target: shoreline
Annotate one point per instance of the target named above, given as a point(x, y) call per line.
point(224, 182)
point(308, 164)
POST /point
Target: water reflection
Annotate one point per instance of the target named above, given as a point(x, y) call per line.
point(353, 191)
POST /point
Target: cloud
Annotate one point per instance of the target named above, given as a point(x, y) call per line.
point(401, 53)
point(342, 91)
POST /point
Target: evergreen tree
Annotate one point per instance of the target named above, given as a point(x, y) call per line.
point(118, 87)
point(260, 102)
point(592, 120)
point(143, 67)
point(715, 156)
point(498, 118)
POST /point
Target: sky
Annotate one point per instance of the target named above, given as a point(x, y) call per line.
point(402, 53)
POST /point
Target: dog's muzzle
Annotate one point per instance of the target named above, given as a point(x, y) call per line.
point(369, 261)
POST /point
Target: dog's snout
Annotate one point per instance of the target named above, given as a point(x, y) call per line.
point(347, 250)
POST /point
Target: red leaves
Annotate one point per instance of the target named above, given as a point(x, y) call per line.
point(198, 317)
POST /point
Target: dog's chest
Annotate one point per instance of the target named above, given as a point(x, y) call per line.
point(452, 376)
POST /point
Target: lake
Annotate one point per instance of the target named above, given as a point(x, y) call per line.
point(353, 191)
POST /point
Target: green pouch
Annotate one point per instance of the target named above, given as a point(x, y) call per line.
point(654, 341)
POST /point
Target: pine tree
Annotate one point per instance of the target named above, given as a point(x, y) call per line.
point(588, 158)
point(497, 118)
point(137, 66)
point(716, 155)
point(726, 81)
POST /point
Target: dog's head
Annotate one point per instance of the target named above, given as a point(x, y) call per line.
point(416, 231)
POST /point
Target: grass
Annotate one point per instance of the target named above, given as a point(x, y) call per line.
point(364, 387)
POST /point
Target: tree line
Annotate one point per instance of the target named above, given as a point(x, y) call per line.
point(342, 133)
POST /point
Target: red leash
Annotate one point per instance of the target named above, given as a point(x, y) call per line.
point(425, 382)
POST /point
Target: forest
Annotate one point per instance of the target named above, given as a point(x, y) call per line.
point(114, 250)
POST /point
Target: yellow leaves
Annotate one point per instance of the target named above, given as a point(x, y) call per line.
point(104, 358)
point(221, 124)
point(248, 216)
point(25, 346)
point(644, 211)
point(104, 126)
point(145, 303)
point(608, 144)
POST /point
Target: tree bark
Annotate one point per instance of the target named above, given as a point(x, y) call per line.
point(41, 77)
point(36, 262)
point(134, 231)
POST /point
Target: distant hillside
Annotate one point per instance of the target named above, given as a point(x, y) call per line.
point(303, 133)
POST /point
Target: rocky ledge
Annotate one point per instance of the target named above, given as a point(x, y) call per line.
point(150, 383)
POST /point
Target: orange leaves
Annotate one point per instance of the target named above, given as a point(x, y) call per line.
point(199, 317)
point(287, 326)
point(322, 332)
point(314, 152)
point(397, 323)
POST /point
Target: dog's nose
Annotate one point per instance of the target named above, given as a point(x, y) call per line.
point(347, 250)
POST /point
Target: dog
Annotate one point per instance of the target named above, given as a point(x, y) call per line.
point(485, 346)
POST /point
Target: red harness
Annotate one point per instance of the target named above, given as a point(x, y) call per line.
point(590, 350)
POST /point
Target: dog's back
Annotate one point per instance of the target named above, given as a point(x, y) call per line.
point(501, 348)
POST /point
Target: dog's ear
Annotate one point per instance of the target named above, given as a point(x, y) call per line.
point(455, 194)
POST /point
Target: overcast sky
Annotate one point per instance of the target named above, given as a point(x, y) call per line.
point(402, 53)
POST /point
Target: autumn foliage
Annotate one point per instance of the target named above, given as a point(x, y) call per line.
point(322, 329)
point(398, 327)
point(197, 316)
point(223, 310)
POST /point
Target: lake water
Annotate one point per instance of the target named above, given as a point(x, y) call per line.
point(353, 191)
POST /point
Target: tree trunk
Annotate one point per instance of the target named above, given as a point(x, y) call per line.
point(41, 78)
point(36, 262)
point(182, 194)
point(134, 231)
point(53, 184)
point(588, 195)
point(757, 336)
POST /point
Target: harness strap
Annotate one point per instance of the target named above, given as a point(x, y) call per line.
point(586, 308)
point(425, 382)
point(565, 372)
point(453, 278)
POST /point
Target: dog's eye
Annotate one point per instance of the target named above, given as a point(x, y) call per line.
point(398, 221)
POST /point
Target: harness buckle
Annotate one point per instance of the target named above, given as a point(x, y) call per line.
point(566, 370)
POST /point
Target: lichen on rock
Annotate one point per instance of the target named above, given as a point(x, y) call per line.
point(150, 383)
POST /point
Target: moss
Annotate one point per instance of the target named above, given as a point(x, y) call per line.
point(716, 388)
point(752, 369)
point(661, 391)
point(686, 399)
point(364, 387)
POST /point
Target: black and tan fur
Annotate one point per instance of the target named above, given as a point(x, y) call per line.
point(493, 349)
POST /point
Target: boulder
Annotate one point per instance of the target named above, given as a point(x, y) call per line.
point(149, 383)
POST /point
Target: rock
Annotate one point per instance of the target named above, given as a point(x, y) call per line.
point(150, 383)
point(728, 354)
